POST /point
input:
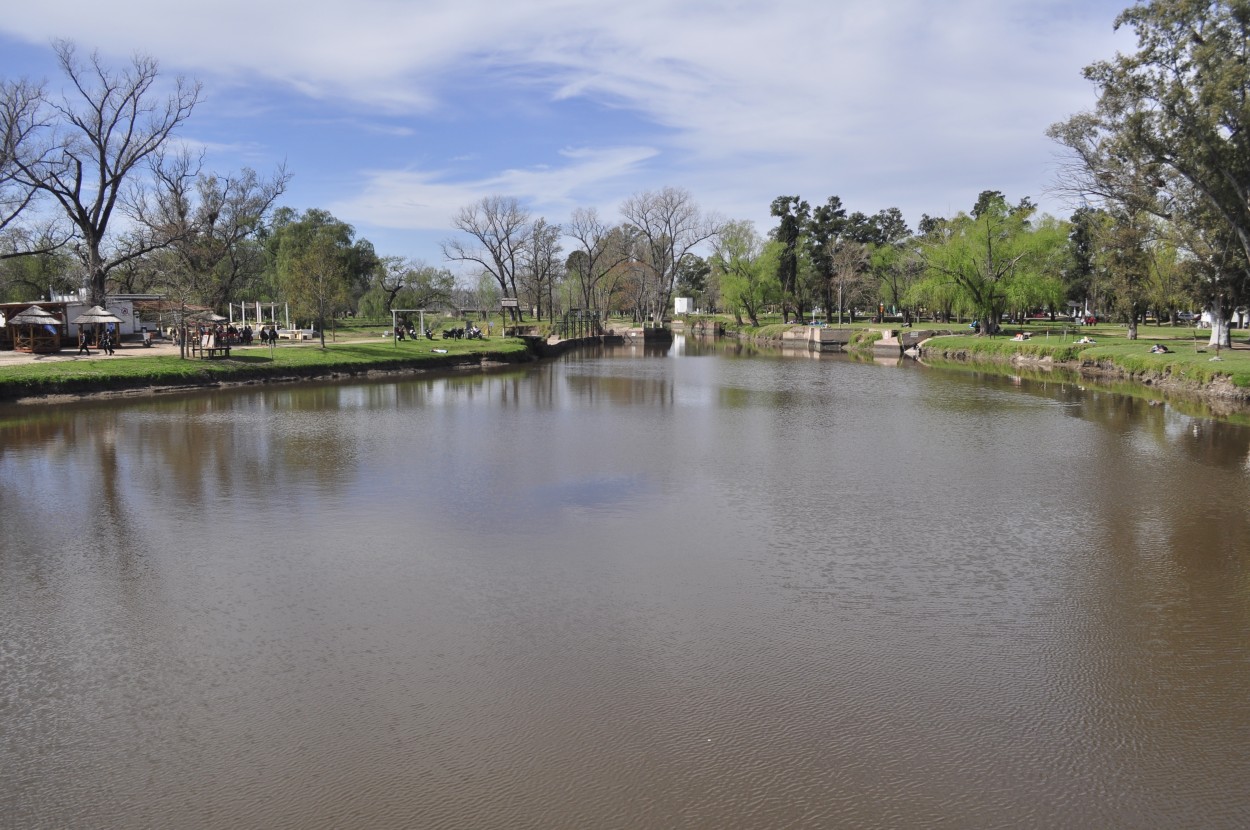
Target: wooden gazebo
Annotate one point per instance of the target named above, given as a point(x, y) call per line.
point(35, 330)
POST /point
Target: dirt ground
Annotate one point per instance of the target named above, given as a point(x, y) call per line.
point(125, 350)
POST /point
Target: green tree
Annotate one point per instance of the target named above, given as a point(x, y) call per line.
point(318, 262)
point(1085, 283)
point(889, 259)
point(1175, 111)
point(36, 275)
point(1124, 255)
point(746, 269)
point(692, 278)
point(1171, 285)
point(824, 237)
point(794, 215)
point(1038, 282)
point(314, 277)
point(982, 256)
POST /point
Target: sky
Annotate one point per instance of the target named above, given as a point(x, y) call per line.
point(395, 114)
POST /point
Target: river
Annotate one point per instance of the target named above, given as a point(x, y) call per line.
point(711, 588)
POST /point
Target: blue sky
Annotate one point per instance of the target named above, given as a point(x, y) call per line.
point(394, 114)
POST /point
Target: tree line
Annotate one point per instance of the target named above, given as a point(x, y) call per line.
point(1158, 173)
point(94, 193)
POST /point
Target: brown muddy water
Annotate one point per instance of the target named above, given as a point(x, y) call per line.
point(626, 590)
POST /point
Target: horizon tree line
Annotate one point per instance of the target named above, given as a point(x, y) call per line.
point(95, 190)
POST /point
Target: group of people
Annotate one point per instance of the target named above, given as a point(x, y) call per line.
point(407, 328)
point(104, 342)
point(267, 334)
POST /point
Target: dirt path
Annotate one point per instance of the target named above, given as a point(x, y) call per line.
point(135, 349)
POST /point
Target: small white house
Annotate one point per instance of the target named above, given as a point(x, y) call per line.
point(683, 305)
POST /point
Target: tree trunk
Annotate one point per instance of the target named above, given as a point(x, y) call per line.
point(1221, 337)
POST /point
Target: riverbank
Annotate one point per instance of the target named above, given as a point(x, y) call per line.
point(136, 370)
point(1190, 367)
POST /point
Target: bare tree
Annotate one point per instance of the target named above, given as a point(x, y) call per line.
point(671, 226)
point(96, 139)
point(21, 117)
point(596, 255)
point(540, 265)
point(848, 275)
point(210, 221)
point(419, 284)
point(499, 228)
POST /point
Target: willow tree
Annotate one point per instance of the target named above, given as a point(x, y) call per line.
point(747, 268)
point(318, 261)
point(982, 257)
point(314, 276)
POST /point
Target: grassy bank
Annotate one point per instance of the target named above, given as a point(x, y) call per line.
point(251, 364)
point(1190, 365)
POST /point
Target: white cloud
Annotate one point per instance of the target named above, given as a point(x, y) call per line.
point(426, 200)
point(902, 103)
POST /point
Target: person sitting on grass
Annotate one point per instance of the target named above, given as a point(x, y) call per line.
point(1159, 348)
point(1086, 341)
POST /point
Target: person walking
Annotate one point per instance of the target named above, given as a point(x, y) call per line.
point(83, 343)
point(106, 342)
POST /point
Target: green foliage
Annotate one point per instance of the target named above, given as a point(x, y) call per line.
point(793, 214)
point(747, 269)
point(1170, 136)
point(318, 263)
point(992, 260)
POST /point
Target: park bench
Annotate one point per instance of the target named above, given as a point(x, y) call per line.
point(210, 347)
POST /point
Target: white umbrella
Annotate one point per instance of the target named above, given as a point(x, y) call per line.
point(207, 317)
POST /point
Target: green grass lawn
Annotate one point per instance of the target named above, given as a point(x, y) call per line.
point(1190, 359)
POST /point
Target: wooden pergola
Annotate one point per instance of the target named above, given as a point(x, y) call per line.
point(36, 330)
